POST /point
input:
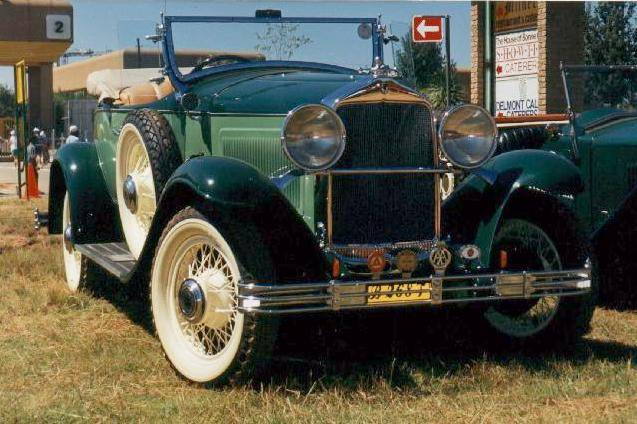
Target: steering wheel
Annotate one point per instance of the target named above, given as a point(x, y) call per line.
point(218, 58)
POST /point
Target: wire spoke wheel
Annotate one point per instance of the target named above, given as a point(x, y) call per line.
point(194, 296)
point(136, 193)
point(527, 247)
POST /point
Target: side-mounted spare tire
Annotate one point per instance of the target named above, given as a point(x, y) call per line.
point(146, 157)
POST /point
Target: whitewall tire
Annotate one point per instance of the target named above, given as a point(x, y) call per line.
point(194, 299)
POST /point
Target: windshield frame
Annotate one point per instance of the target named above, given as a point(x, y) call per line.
point(567, 70)
point(175, 74)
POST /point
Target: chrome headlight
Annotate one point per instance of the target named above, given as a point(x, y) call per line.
point(313, 137)
point(467, 136)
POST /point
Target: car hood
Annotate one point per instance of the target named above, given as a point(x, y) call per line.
point(270, 91)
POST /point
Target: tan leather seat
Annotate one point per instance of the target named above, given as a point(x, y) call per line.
point(145, 93)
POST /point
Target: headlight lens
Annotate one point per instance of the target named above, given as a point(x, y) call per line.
point(468, 136)
point(313, 137)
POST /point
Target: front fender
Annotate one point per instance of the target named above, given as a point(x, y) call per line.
point(475, 209)
point(235, 195)
point(94, 216)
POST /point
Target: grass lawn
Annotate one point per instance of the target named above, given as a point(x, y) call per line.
point(92, 356)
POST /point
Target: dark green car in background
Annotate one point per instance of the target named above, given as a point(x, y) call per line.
point(600, 138)
point(253, 187)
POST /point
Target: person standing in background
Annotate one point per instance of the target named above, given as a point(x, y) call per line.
point(35, 140)
point(74, 133)
point(13, 146)
point(44, 143)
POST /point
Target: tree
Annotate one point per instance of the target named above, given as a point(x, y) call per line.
point(610, 39)
point(7, 102)
point(424, 64)
point(281, 40)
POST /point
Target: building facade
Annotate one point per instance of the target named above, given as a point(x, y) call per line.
point(516, 50)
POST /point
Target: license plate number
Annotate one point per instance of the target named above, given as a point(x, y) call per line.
point(398, 292)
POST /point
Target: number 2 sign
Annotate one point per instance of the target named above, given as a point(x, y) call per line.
point(58, 27)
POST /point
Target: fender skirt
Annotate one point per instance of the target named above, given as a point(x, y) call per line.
point(94, 216)
point(475, 209)
point(241, 199)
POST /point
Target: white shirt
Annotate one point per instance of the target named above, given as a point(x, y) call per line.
point(13, 142)
point(72, 139)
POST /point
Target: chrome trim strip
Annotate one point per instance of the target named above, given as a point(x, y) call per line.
point(377, 171)
point(335, 295)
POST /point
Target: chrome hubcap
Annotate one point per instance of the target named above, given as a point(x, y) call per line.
point(130, 194)
point(68, 238)
point(191, 299)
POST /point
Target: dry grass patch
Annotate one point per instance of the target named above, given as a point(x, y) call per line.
point(91, 356)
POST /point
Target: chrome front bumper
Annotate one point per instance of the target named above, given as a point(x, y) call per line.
point(339, 295)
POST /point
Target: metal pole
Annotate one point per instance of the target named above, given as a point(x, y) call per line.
point(139, 54)
point(448, 58)
point(488, 57)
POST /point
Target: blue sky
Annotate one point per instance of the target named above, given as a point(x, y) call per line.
point(114, 24)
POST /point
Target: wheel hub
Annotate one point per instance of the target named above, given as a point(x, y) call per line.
point(130, 194)
point(220, 301)
point(68, 238)
point(192, 301)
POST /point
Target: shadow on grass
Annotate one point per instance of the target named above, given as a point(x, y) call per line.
point(131, 299)
point(394, 347)
point(355, 350)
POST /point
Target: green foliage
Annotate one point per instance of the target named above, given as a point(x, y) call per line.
point(422, 61)
point(281, 40)
point(611, 39)
point(7, 102)
point(424, 64)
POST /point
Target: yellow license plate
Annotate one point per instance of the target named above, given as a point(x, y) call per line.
point(398, 292)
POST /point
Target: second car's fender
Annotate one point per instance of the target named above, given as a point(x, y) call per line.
point(476, 207)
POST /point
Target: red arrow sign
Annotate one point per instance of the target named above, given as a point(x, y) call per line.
point(426, 29)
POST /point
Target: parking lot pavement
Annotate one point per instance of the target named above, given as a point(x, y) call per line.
point(9, 180)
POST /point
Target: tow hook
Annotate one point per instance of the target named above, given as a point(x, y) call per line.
point(40, 219)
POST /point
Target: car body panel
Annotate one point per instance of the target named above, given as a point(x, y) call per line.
point(607, 160)
point(237, 194)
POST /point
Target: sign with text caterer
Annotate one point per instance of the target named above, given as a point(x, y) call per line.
point(516, 82)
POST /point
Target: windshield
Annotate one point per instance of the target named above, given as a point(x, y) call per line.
point(199, 45)
point(602, 87)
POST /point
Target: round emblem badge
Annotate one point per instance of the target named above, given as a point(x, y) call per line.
point(440, 257)
point(376, 262)
point(407, 261)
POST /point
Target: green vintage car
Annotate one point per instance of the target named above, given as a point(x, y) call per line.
point(253, 187)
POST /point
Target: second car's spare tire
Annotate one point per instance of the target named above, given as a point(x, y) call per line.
point(146, 157)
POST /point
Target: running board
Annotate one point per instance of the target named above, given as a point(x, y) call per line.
point(113, 257)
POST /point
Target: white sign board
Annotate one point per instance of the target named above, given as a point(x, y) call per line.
point(516, 64)
point(58, 27)
point(516, 96)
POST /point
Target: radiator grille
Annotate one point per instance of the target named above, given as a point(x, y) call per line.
point(384, 208)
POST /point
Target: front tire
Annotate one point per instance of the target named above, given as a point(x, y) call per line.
point(549, 321)
point(194, 300)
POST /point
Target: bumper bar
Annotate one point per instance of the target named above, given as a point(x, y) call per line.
point(338, 295)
